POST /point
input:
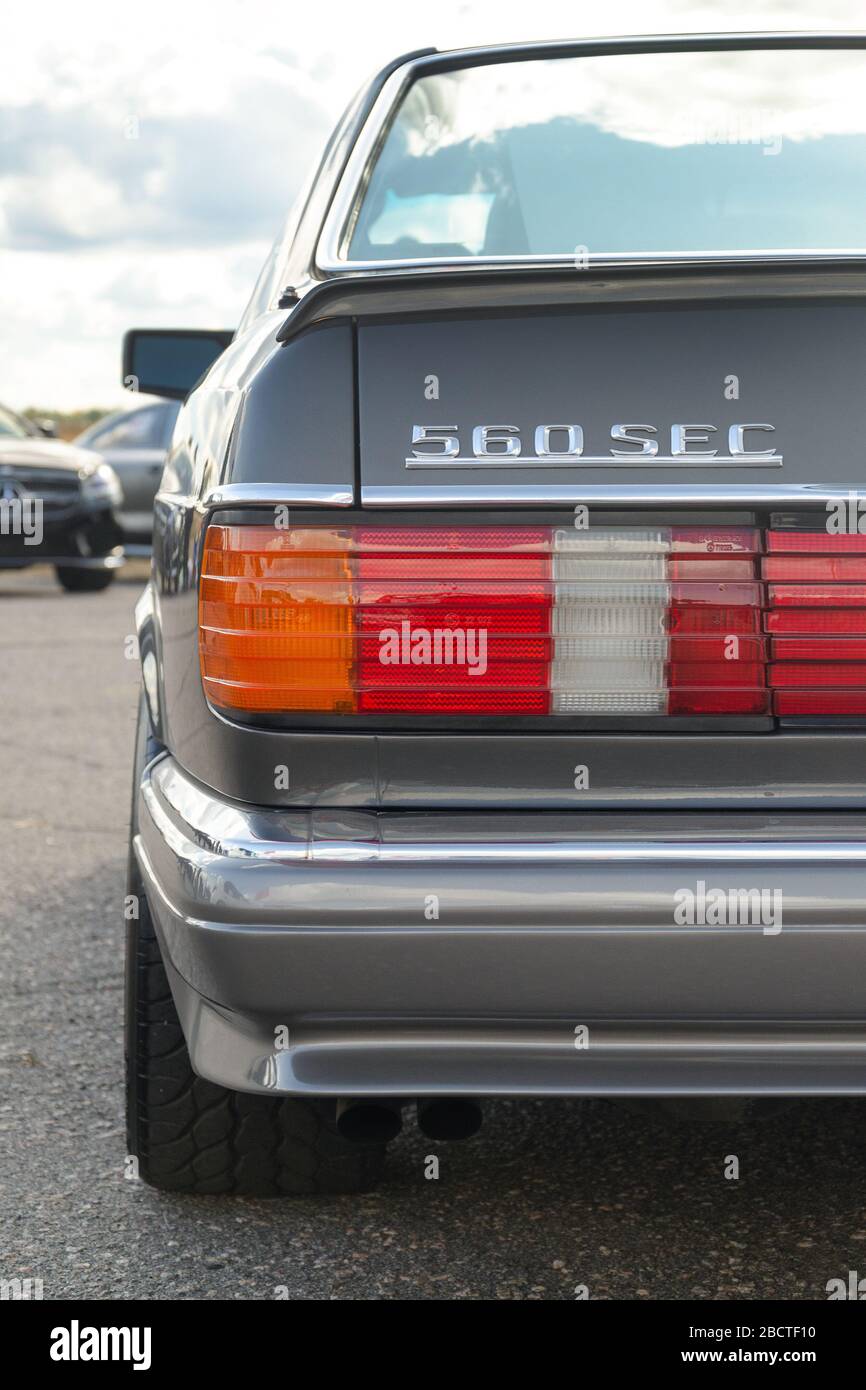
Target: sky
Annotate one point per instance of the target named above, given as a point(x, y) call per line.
point(148, 158)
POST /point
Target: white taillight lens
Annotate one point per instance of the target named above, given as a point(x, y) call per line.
point(610, 608)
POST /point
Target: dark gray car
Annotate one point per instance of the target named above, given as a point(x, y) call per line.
point(504, 658)
point(134, 443)
point(58, 506)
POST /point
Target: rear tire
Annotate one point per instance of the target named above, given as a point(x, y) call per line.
point(79, 581)
point(190, 1135)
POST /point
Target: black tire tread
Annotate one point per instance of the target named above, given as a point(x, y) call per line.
point(191, 1135)
point(83, 581)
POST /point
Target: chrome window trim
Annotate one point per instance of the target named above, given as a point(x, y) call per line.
point(294, 494)
point(610, 494)
point(330, 258)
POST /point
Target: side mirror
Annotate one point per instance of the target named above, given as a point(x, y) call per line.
point(47, 427)
point(170, 361)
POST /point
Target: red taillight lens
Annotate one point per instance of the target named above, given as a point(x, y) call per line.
point(825, 672)
point(453, 621)
point(802, 568)
point(802, 620)
point(819, 649)
point(717, 658)
point(817, 595)
point(814, 543)
point(788, 703)
point(816, 610)
point(533, 621)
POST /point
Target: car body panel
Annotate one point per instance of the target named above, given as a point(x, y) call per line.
point(599, 366)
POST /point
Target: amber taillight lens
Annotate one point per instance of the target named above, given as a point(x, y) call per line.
point(276, 626)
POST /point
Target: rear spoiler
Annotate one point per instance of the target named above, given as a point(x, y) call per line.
point(522, 287)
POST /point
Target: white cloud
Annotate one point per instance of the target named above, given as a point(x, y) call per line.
point(62, 197)
point(64, 316)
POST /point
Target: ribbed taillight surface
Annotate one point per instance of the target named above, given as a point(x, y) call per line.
point(816, 597)
point(484, 620)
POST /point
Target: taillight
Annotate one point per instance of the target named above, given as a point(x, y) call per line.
point(483, 620)
point(276, 620)
point(816, 597)
point(533, 621)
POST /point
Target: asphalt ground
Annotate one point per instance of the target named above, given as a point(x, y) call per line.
point(550, 1199)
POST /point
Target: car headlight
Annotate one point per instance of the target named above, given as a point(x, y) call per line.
point(101, 487)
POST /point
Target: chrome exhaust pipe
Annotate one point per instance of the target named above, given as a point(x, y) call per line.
point(369, 1119)
point(449, 1117)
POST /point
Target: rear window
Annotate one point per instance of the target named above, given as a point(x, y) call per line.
point(656, 153)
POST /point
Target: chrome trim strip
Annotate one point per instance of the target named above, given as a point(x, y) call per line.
point(595, 461)
point(596, 261)
point(295, 494)
point(197, 826)
point(336, 231)
point(600, 851)
point(612, 494)
point(353, 180)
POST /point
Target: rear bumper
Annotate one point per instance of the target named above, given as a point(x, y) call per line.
point(420, 954)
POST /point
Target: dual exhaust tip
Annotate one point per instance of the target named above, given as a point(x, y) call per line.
point(377, 1120)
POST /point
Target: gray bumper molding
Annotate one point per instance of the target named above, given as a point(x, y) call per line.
point(413, 953)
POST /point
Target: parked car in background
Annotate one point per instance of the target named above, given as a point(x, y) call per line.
point(58, 506)
point(134, 443)
point(491, 747)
